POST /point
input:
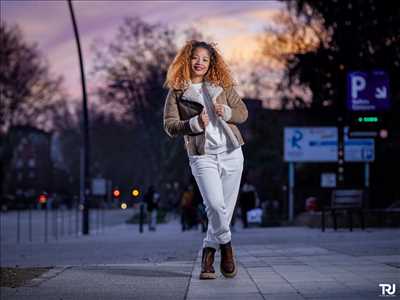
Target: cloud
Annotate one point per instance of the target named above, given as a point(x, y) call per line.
point(234, 25)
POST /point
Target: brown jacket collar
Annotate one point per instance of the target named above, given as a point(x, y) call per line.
point(213, 90)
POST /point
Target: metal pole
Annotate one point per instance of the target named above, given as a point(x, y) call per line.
point(30, 222)
point(85, 202)
point(70, 212)
point(55, 221)
point(18, 224)
point(141, 217)
point(366, 175)
point(45, 222)
point(366, 184)
point(291, 195)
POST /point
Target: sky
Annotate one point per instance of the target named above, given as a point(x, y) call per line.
point(234, 26)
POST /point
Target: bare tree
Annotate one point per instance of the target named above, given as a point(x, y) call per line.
point(290, 36)
point(131, 71)
point(28, 92)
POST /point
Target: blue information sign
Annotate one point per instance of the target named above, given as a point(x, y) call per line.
point(368, 91)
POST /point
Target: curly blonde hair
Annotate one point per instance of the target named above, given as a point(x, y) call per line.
point(178, 74)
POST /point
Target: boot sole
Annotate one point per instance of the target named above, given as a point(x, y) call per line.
point(230, 275)
point(208, 276)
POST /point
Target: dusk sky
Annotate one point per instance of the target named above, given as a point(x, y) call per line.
point(234, 25)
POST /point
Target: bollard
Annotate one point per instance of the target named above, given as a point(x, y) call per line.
point(70, 212)
point(77, 220)
point(141, 217)
point(18, 225)
point(102, 217)
point(45, 223)
point(55, 220)
point(62, 220)
point(30, 222)
point(98, 219)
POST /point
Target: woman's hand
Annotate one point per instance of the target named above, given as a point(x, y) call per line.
point(219, 109)
point(203, 119)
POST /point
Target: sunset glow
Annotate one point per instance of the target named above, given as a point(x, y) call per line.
point(234, 26)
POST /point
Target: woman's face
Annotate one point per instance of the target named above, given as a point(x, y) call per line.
point(200, 62)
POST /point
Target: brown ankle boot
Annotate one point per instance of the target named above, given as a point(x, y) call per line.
point(207, 260)
point(228, 266)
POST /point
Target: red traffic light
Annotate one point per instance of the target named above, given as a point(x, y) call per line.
point(42, 198)
point(116, 193)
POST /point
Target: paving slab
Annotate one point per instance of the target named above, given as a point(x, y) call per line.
point(273, 263)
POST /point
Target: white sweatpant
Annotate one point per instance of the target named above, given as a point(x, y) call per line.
point(218, 178)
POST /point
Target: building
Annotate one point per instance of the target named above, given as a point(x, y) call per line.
point(29, 171)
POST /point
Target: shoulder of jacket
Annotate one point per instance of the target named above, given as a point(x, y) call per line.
point(229, 88)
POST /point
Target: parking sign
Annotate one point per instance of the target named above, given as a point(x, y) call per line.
point(368, 91)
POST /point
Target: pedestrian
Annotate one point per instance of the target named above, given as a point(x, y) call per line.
point(200, 207)
point(203, 106)
point(248, 200)
point(151, 198)
point(188, 210)
point(233, 221)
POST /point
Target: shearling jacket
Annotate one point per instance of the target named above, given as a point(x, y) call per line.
point(182, 105)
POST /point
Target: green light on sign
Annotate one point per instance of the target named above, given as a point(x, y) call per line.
point(367, 119)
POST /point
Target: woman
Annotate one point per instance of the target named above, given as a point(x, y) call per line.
point(203, 106)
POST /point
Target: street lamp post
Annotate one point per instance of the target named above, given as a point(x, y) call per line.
point(85, 177)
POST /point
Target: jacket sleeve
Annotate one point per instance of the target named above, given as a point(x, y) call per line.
point(173, 125)
point(239, 111)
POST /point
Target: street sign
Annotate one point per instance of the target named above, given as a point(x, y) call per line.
point(320, 144)
point(358, 149)
point(313, 144)
point(368, 91)
point(99, 187)
point(328, 180)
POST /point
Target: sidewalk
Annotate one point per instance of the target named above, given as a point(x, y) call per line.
point(270, 272)
point(273, 263)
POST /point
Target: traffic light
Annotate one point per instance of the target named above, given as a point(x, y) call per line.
point(135, 192)
point(43, 197)
point(116, 193)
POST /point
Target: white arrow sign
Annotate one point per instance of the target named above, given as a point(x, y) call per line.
point(381, 92)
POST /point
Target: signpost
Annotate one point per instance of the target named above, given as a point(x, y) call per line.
point(308, 144)
point(99, 187)
point(367, 100)
point(318, 145)
point(328, 180)
point(361, 150)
